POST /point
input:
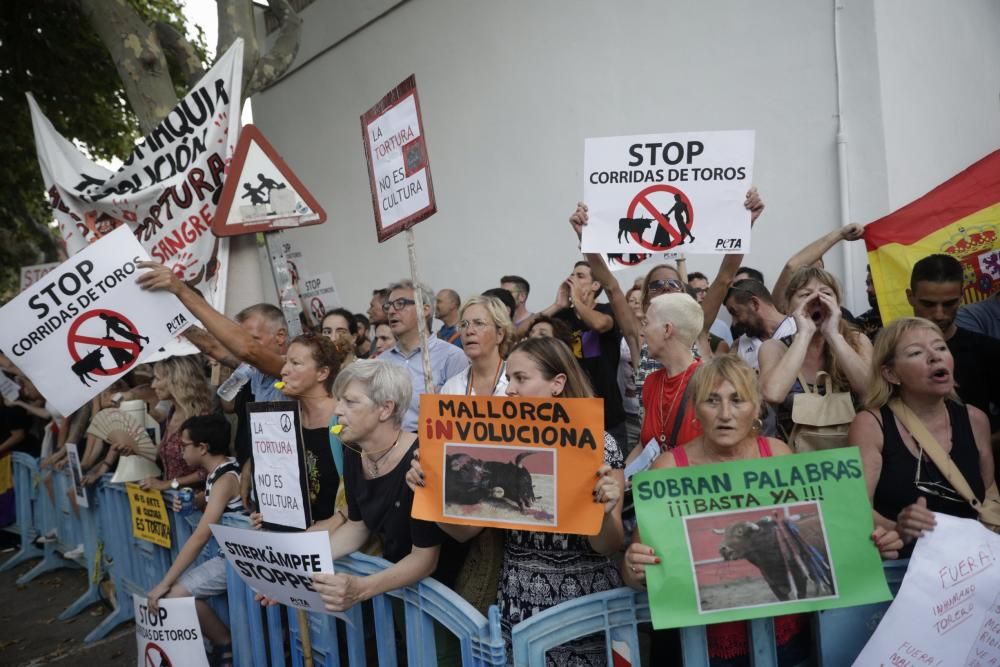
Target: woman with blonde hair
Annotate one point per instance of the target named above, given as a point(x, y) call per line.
point(181, 381)
point(823, 343)
point(913, 372)
point(487, 338)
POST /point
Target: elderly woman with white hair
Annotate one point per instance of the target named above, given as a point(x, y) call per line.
point(373, 396)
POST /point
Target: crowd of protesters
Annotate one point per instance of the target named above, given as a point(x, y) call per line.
point(674, 378)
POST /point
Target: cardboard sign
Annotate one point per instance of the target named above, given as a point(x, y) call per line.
point(166, 190)
point(76, 473)
point(150, 520)
point(525, 463)
point(9, 389)
point(262, 192)
point(947, 611)
point(87, 323)
point(279, 464)
point(31, 274)
point(804, 519)
point(171, 635)
point(398, 168)
point(278, 565)
point(6, 473)
point(668, 192)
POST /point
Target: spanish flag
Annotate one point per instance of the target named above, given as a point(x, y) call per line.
point(960, 217)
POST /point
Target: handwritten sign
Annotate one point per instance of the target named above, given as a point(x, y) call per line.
point(278, 565)
point(171, 635)
point(947, 611)
point(660, 193)
point(73, 463)
point(758, 538)
point(523, 463)
point(150, 520)
point(279, 464)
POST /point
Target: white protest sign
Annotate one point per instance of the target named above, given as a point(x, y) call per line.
point(87, 323)
point(278, 565)
point(622, 261)
point(170, 635)
point(166, 190)
point(947, 611)
point(278, 461)
point(9, 389)
point(660, 192)
point(76, 472)
point(31, 274)
point(319, 293)
point(398, 168)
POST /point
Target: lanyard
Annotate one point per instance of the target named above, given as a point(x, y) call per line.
point(496, 378)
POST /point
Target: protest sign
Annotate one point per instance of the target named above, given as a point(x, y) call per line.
point(398, 168)
point(9, 389)
point(319, 294)
point(960, 218)
point(73, 463)
point(31, 274)
point(6, 473)
point(86, 323)
point(262, 192)
point(278, 565)
point(660, 192)
point(279, 464)
point(947, 611)
point(171, 635)
point(526, 463)
point(758, 538)
point(621, 261)
point(166, 190)
point(150, 520)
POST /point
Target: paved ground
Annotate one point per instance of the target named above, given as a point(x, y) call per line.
point(30, 633)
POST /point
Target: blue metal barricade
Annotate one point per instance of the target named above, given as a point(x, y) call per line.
point(59, 531)
point(25, 474)
point(86, 524)
point(181, 528)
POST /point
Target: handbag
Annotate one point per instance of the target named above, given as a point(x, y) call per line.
point(989, 508)
point(821, 420)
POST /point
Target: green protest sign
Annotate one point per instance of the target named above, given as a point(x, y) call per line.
point(757, 538)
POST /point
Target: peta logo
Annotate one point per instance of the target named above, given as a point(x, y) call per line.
point(728, 244)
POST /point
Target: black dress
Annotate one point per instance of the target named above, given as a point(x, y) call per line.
point(322, 473)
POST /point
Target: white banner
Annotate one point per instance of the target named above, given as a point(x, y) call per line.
point(657, 193)
point(170, 635)
point(275, 447)
point(76, 472)
point(278, 565)
point(167, 190)
point(947, 611)
point(87, 323)
point(31, 274)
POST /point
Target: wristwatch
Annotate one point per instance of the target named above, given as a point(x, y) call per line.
point(174, 484)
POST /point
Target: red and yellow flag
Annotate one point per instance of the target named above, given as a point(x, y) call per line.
point(960, 217)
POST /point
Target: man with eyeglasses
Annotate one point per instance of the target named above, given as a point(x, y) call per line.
point(519, 289)
point(446, 359)
point(446, 309)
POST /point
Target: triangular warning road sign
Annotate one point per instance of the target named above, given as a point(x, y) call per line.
point(261, 192)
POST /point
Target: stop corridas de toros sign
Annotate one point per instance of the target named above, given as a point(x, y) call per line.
point(86, 323)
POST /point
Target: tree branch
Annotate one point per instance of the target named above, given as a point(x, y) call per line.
point(137, 56)
point(182, 51)
point(236, 19)
point(273, 65)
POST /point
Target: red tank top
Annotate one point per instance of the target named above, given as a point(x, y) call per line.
point(730, 640)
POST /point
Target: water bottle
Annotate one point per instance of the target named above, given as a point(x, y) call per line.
point(187, 500)
point(228, 389)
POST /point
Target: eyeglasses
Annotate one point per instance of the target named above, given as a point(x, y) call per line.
point(397, 305)
point(940, 489)
point(478, 325)
point(669, 285)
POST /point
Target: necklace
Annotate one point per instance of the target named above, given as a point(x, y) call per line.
point(496, 378)
point(372, 463)
point(683, 386)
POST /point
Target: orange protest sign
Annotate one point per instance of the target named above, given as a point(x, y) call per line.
point(526, 463)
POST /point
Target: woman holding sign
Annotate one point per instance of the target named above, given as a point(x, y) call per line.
point(727, 400)
point(540, 570)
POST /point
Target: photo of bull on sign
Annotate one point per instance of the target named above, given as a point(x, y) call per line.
point(749, 558)
point(500, 483)
point(727, 402)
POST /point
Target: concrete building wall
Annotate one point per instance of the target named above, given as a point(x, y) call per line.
point(510, 90)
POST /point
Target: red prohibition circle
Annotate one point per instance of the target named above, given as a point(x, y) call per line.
point(154, 656)
point(642, 199)
point(620, 258)
point(73, 339)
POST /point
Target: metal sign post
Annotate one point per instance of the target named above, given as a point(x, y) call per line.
point(288, 297)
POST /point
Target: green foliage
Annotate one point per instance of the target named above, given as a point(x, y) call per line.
point(49, 49)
